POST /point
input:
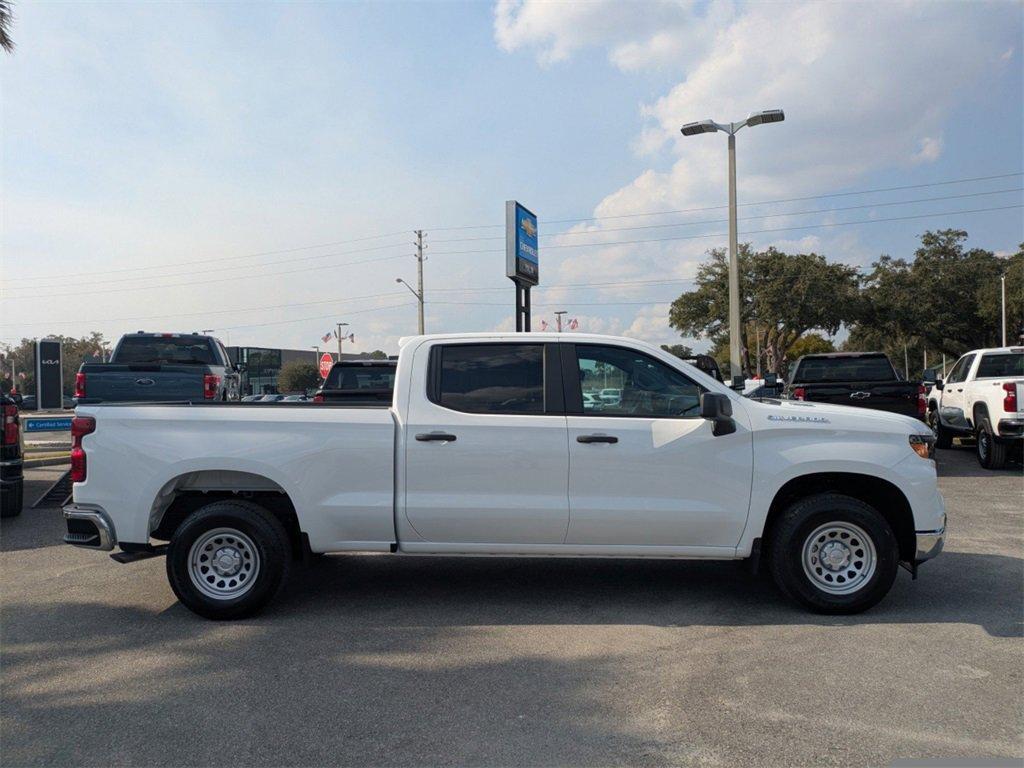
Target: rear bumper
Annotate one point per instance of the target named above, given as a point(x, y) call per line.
point(88, 528)
point(1012, 428)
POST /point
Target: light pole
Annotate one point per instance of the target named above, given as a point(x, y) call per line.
point(710, 126)
point(337, 333)
point(558, 316)
point(419, 297)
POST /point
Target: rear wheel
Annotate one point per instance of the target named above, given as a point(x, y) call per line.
point(833, 554)
point(228, 559)
point(991, 451)
point(943, 437)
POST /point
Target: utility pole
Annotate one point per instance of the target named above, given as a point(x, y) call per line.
point(558, 318)
point(1002, 290)
point(419, 275)
point(420, 247)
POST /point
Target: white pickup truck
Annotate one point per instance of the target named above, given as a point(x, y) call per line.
point(492, 447)
point(982, 397)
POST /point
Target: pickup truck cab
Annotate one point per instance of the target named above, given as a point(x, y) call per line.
point(489, 448)
point(860, 379)
point(164, 367)
point(982, 397)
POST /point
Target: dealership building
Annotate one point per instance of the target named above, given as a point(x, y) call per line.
point(263, 365)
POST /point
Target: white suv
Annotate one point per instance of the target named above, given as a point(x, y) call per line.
point(983, 396)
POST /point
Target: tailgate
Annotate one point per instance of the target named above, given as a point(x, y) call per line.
point(141, 383)
point(896, 397)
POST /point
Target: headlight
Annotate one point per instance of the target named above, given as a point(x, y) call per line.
point(923, 445)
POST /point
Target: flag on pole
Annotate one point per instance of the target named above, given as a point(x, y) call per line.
point(326, 337)
point(352, 337)
point(574, 324)
point(543, 325)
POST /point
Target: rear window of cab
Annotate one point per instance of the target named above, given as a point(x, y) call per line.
point(1001, 365)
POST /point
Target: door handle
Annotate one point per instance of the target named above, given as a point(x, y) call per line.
point(596, 439)
point(426, 437)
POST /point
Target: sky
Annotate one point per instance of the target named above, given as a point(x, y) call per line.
point(260, 169)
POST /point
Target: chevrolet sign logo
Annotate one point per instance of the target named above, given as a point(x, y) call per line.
point(529, 227)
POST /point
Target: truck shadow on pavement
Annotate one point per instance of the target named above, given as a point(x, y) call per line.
point(958, 587)
point(960, 461)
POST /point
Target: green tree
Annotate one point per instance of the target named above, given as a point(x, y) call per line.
point(378, 354)
point(782, 296)
point(297, 376)
point(809, 344)
point(679, 350)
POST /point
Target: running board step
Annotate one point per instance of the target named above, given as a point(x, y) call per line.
point(139, 554)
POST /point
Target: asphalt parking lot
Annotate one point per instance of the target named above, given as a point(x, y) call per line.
point(371, 660)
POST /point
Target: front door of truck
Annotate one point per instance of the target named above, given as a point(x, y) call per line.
point(951, 406)
point(646, 470)
point(486, 457)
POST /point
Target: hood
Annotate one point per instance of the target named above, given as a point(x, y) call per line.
point(800, 413)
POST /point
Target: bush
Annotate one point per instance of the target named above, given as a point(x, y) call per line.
point(297, 376)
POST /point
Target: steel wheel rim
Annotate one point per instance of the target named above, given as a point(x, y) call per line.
point(983, 444)
point(839, 557)
point(223, 563)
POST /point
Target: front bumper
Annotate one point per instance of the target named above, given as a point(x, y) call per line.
point(930, 543)
point(89, 528)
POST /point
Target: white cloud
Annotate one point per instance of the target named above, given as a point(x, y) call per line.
point(865, 88)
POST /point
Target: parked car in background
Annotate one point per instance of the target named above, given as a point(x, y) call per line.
point(860, 379)
point(485, 448)
point(251, 398)
point(295, 399)
point(271, 398)
point(706, 364)
point(355, 382)
point(982, 397)
point(164, 367)
point(610, 396)
point(11, 475)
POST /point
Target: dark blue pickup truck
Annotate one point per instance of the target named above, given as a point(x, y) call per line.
point(164, 367)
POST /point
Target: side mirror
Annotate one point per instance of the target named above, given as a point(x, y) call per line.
point(939, 385)
point(717, 408)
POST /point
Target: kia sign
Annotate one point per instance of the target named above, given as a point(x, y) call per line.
point(49, 375)
point(326, 361)
point(521, 248)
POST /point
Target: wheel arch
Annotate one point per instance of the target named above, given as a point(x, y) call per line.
point(979, 411)
point(184, 494)
point(877, 492)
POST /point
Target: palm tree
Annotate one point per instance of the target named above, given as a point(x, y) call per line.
point(6, 21)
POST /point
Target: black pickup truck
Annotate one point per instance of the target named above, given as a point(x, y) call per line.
point(11, 478)
point(358, 382)
point(861, 379)
point(160, 367)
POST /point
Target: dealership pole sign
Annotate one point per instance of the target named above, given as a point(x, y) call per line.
point(49, 375)
point(522, 257)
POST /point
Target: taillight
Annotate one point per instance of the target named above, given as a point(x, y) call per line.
point(922, 400)
point(11, 425)
point(318, 398)
point(80, 427)
point(210, 385)
point(799, 393)
point(1010, 398)
point(79, 384)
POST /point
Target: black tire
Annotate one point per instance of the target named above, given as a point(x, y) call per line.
point(991, 451)
point(943, 437)
point(12, 500)
point(807, 516)
point(267, 550)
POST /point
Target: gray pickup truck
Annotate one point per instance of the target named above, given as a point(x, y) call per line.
point(160, 367)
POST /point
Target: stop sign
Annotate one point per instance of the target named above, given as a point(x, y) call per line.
point(326, 361)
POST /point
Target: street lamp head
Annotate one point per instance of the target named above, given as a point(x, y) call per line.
point(766, 116)
point(703, 126)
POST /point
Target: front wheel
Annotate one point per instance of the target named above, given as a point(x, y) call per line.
point(833, 554)
point(943, 437)
point(228, 559)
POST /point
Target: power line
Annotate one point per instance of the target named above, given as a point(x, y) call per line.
point(758, 202)
point(221, 258)
point(753, 231)
point(747, 218)
point(337, 300)
point(317, 317)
